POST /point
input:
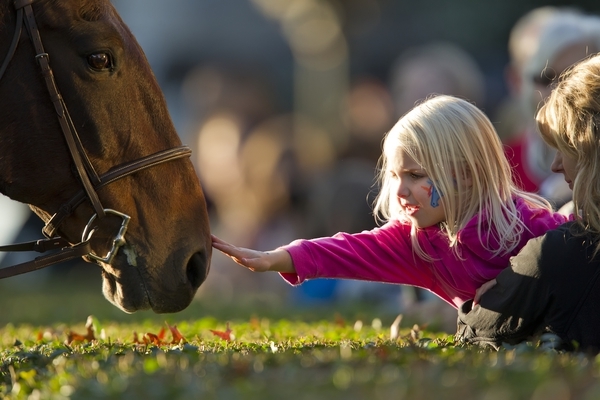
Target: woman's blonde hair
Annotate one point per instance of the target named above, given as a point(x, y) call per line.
point(570, 122)
point(458, 147)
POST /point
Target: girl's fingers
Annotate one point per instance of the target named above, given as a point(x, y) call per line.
point(220, 244)
point(251, 259)
point(217, 240)
point(225, 247)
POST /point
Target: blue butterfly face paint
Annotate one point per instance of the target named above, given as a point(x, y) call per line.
point(433, 193)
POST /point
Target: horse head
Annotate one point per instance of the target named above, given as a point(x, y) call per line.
point(120, 115)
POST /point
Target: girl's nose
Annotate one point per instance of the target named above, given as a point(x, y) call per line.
point(557, 163)
point(402, 190)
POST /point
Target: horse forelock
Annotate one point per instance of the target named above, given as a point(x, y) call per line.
point(87, 10)
point(93, 10)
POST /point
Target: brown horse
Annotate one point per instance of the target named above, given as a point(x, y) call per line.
point(96, 182)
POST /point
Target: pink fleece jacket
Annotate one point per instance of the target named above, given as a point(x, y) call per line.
point(385, 255)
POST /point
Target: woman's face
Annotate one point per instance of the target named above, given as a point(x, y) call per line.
point(566, 165)
point(416, 194)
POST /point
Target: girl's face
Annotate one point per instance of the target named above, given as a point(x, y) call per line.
point(418, 198)
point(566, 165)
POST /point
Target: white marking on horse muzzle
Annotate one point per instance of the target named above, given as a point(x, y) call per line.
point(131, 256)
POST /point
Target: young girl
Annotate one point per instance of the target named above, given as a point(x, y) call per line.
point(451, 212)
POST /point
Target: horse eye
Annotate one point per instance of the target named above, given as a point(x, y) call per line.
point(100, 61)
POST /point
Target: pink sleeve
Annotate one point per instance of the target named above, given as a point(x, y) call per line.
point(538, 222)
point(541, 221)
point(382, 254)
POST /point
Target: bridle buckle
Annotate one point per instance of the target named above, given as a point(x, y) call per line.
point(118, 241)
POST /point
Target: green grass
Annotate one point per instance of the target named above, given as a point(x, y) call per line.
point(275, 353)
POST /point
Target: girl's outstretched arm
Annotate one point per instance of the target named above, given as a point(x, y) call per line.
point(258, 261)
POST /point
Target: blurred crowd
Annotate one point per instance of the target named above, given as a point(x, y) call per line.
point(272, 176)
point(273, 173)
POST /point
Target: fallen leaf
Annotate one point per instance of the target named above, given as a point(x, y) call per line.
point(223, 335)
point(159, 339)
point(177, 336)
point(77, 337)
point(148, 338)
point(151, 338)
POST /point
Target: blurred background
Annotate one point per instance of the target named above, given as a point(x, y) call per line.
point(285, 104)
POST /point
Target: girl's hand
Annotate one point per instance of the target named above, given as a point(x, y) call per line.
point(484, 288)
point(258, 261)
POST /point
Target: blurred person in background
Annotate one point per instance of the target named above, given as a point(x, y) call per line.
point(242, 157)
point(512, 116)
point(338, 199)
point(554, 38)
point(256, 164)
point(435, 68)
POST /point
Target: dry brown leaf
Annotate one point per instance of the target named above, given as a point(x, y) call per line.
point(77, 337)
point(177, 336)
point(159, 339)
point(223, 335)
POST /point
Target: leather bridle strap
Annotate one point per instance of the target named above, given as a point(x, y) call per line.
point(82, 163)
point(114, 174)
point(14, 43)
point(65, 254)
point(41, 246)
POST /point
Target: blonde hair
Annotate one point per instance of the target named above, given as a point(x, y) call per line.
point(570, 122)
point(453, 141)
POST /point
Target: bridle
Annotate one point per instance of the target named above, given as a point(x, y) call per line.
point(90, 180)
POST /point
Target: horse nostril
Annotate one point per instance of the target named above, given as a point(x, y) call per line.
point(197, 269)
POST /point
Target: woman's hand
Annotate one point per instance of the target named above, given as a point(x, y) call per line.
point(258, 261)
point(482, 289)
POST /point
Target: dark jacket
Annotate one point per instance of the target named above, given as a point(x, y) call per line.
point(551, 286)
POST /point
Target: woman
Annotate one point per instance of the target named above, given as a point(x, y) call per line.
point(553, 284)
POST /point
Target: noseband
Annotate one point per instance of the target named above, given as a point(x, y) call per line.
point(90, 180)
